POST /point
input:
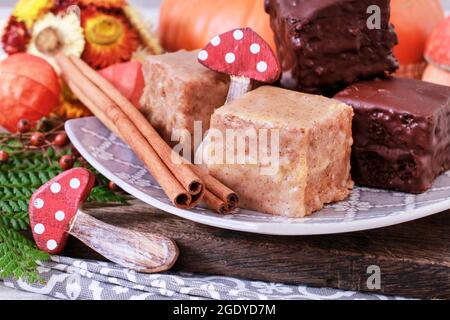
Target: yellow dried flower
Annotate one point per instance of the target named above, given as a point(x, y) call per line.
point(70, 107)
point(28, 11)
point(104, 3)
point(109, 37)
point(72, 110)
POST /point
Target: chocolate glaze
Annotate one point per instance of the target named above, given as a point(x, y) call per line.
point(325, 45)
point(401, 133)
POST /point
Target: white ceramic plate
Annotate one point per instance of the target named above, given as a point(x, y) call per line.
point(365, 209)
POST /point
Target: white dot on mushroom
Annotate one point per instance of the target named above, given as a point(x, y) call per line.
point(261, 66)
point(39, 203)
point(230, 57)
point(215, 41)
point(238, 35)
point(55, 187)
point(39, 228)
point(203, 55)
point(255, 48)
point(74, 183)
point(51, 244)
point(60, 215)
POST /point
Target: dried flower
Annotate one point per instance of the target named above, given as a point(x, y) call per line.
point(57, 34)
point(109, 38)
point(70, 107)
point(28, 11)
point(15, 36)
point(104, 3)
point(72, 110)
point(62, 5)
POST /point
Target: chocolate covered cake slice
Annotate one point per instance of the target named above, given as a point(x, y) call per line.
point(327, 44)
point(401, 133)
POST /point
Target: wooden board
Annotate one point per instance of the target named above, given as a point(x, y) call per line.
point(414, 258)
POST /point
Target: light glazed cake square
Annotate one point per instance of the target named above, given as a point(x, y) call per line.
point(179, 91)
point(315, 139)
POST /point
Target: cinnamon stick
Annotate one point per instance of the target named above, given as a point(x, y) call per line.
point(98, 101)
point(219, 190)
point(225, 194)
point(92, 107)
point(216, 195)
point(212, 201)
point(187, 177)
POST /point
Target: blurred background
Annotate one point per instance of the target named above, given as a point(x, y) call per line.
point(155, 3)
point(146, 3)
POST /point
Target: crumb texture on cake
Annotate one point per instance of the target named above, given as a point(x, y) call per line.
point(314, 154)
point(178, 91)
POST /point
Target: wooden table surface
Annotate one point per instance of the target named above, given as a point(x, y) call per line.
point(414, 257)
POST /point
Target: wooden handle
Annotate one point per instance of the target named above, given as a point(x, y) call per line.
point(142, 252)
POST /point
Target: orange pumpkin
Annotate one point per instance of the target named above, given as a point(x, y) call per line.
point(192, 24)
point(29, 89)
point(414, 21)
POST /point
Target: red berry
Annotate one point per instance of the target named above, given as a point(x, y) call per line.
point(37, 139)
point(66, 162)
point(23, 126)
point(60, 139)
point(113, 187)
point(4, 156)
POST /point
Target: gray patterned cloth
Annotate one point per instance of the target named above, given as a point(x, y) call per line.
point(67, 278)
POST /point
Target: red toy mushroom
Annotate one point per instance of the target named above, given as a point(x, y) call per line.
point(245, 56)
point(437, 54)
point(54, 214)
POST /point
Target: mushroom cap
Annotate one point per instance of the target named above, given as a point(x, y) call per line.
point(241, 53)
point(437, 51)
point(53, 206)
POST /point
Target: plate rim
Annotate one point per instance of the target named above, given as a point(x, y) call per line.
point(267, 228)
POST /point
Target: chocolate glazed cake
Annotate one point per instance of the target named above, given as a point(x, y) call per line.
point(324, 45)
point(401, 132)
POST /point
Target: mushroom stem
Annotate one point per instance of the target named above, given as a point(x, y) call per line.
point(238, 87)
